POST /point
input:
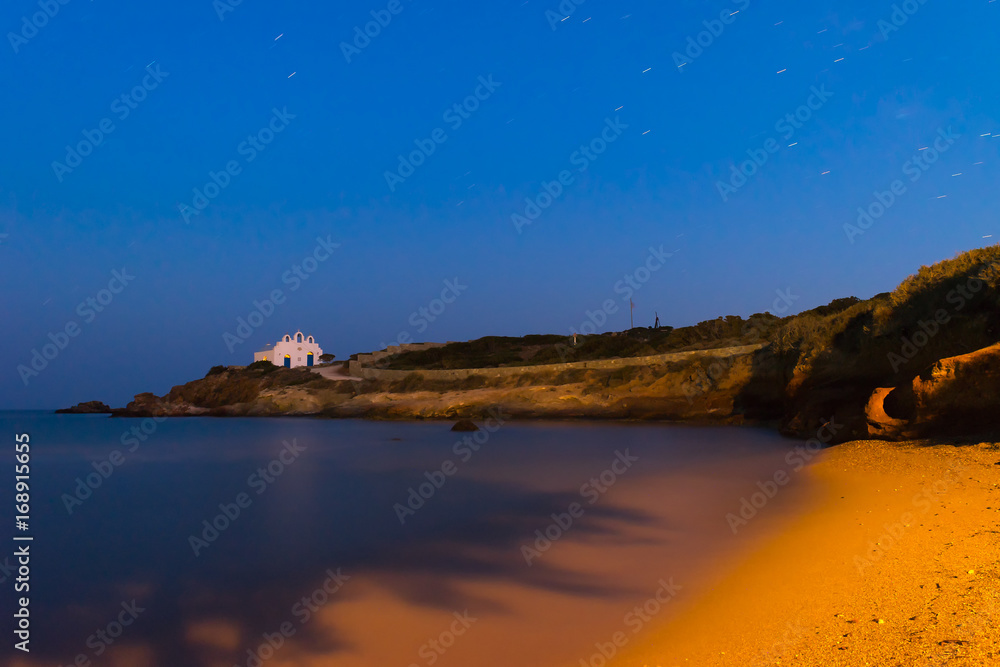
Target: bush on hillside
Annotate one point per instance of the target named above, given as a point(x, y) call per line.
point(966, 284)
point(532, 350)
point(950, 308)
point(262, 366)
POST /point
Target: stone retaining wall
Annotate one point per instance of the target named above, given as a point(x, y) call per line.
point(356, 367)
point(360, 369)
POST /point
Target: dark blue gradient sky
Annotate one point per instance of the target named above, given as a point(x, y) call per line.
point(323, 175)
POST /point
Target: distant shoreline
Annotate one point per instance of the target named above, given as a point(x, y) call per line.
point(921, 361)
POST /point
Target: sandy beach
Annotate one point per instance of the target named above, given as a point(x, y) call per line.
point(893, 562)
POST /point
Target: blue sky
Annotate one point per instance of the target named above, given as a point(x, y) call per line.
point(556, 86)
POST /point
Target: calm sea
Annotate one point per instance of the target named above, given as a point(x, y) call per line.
point(222, 542)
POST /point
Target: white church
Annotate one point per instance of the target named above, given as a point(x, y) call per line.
point(291, 351)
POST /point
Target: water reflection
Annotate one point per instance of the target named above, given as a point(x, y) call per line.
point(331, 510)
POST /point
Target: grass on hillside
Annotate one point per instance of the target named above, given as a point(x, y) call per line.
point(949, 308)
point(500, 351)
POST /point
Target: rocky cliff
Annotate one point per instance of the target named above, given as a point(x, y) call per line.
point(698, 388)
point(844, 365)
point(954, 395)
point(921, 360)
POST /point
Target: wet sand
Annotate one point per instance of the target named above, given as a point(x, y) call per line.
point(895, 562)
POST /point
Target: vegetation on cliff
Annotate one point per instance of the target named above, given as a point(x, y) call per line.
point(834, 361)
point(236, 390)
point(86, 408)
point(841, 362)
point(501, 351)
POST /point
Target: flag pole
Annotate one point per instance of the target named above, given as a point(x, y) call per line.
point(631, 321)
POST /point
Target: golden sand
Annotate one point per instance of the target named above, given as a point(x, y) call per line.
point(897, 563)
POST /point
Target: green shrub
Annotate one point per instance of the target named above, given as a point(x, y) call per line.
point(262, 366)
point(938, 287)
point(290, 377)
point(532, 350)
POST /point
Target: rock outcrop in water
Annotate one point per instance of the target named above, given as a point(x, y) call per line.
point(465, 426)
point(86, 408)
